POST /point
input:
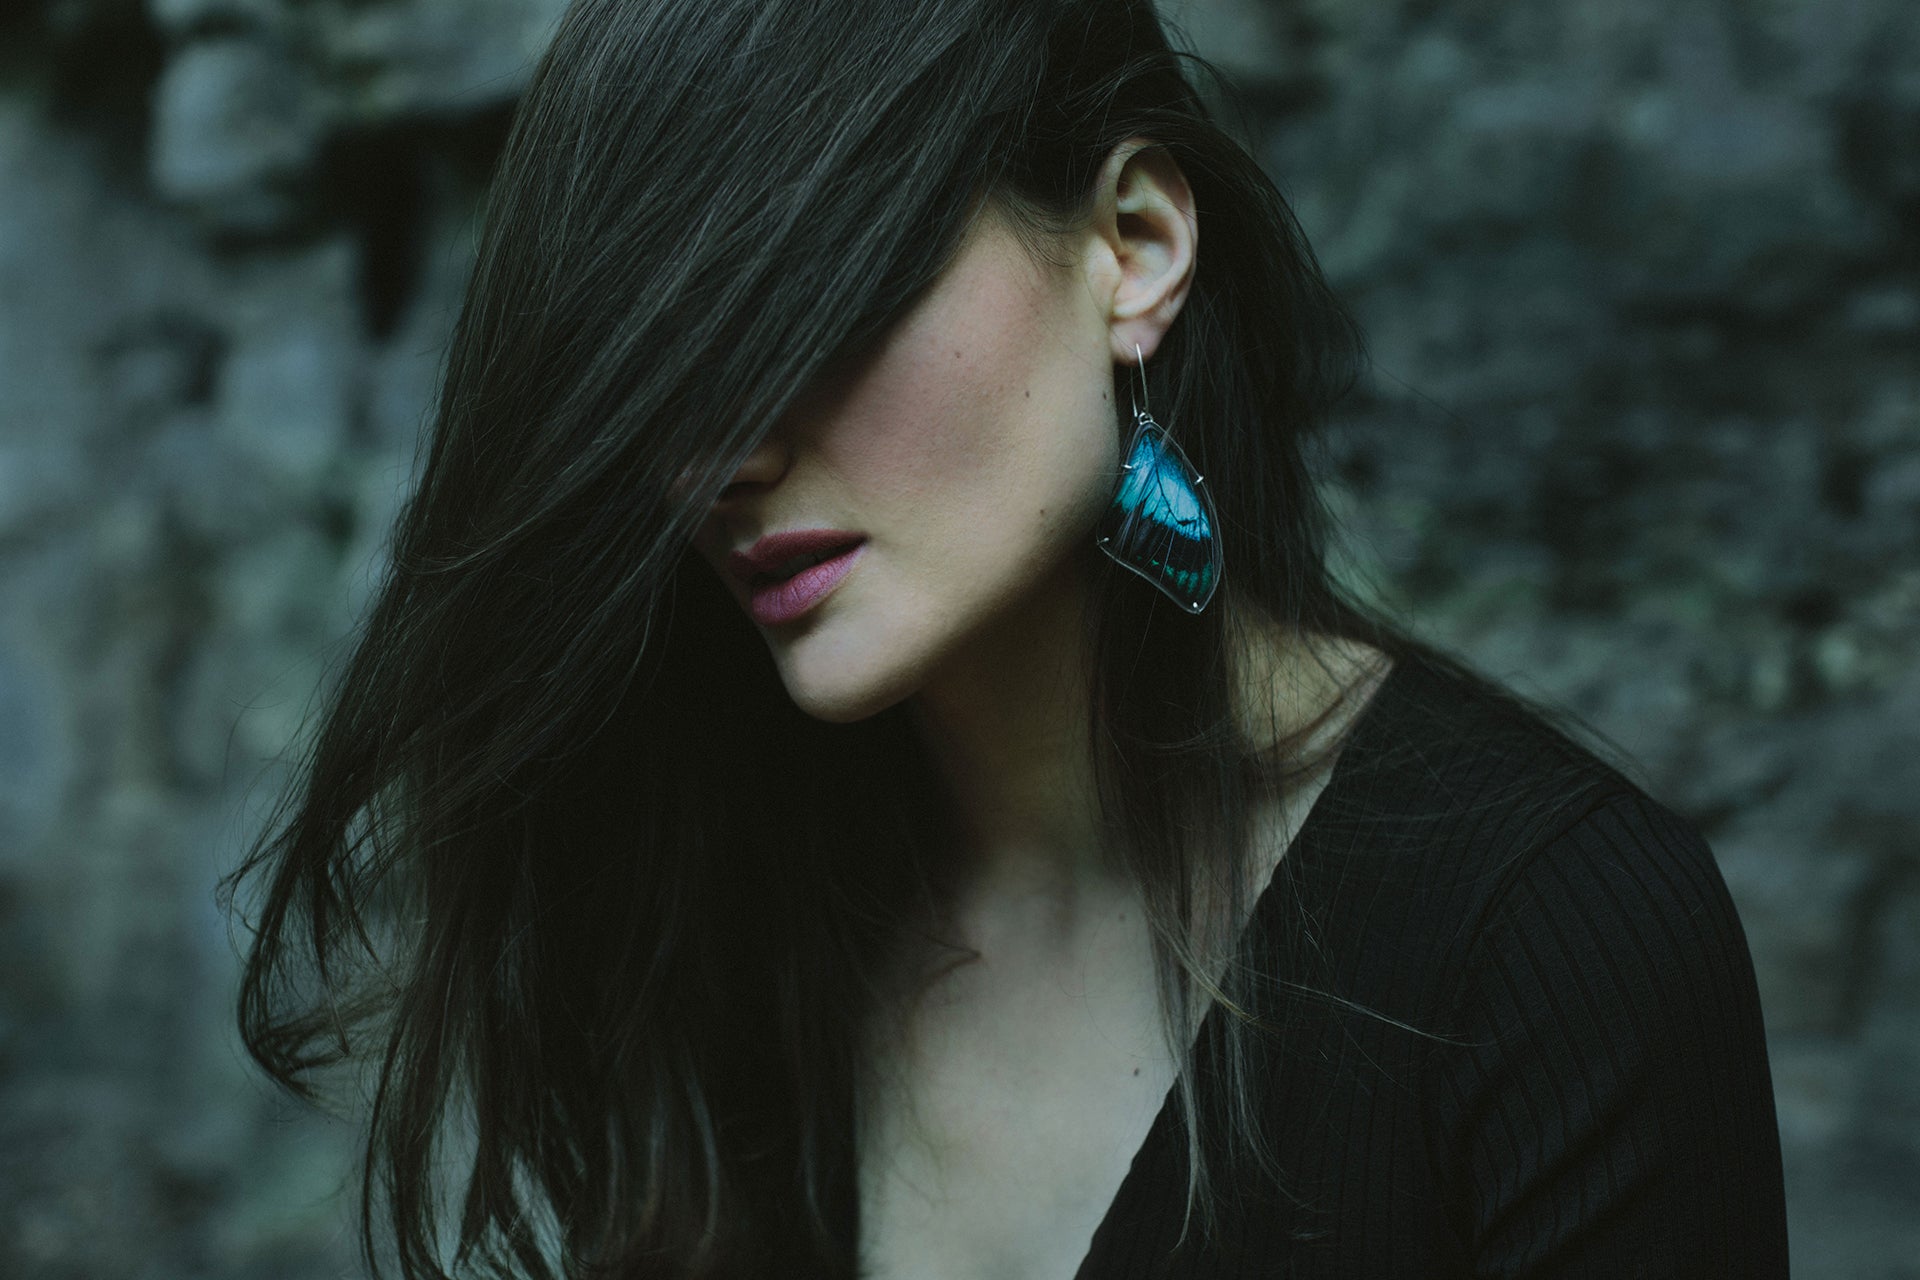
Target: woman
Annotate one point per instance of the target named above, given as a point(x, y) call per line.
point(859, 766)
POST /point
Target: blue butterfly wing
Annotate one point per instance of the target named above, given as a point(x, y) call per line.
point(1161, 524)
point(1157, 491)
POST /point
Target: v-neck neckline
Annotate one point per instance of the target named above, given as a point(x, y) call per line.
point(1367, 725)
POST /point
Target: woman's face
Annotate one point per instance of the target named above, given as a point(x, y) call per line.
point(972, 454)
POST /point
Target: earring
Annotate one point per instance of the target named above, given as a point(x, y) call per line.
point(1161, 523)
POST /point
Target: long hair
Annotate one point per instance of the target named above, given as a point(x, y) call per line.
point(605, 913)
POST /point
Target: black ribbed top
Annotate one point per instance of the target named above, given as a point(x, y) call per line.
point(1600, 1104)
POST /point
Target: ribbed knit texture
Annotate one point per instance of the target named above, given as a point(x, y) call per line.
point(1600, 1103)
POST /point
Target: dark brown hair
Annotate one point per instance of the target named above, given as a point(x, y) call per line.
point(530, 869)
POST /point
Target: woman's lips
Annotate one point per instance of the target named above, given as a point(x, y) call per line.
point(773, 603)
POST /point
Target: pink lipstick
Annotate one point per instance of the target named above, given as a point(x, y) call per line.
point(787, 574)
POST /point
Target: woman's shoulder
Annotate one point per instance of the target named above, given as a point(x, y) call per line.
point(1573, 940)
point(1447, 755)
point(1534, 965)
point(1458, 808)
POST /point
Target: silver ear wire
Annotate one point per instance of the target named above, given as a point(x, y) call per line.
point(1143, 409)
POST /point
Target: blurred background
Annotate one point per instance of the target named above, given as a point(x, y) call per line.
point(1643, 283)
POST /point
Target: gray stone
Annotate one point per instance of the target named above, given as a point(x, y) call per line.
point(1893, 492)
point(1720, 186)
point(291, 381)
point(44, 199)
point(191, 15)
point(1816, 1089)
point(423, 57)
point(151, 364)
point(101, 292)
point(1891, 1036)
point(246, 692)
point(41, 481)
point(1883, 311)
point(235, 122)
point(1843, 1223)
point(36, 748)
point(1243, 38)
point(404, 374)
point(1893, 1007)
point(1800, 899)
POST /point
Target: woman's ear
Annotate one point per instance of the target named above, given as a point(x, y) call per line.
point(1144, 217)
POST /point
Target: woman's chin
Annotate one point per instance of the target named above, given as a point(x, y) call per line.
point(835, 706)
point(836, 691)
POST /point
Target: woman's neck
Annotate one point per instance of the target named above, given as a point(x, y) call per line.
point(1005, 724)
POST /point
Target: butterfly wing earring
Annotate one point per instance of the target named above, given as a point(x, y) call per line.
point(1161, 522)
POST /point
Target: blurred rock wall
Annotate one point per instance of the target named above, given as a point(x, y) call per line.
point(1643, 285)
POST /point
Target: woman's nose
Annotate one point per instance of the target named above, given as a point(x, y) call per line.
point(760, 470)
